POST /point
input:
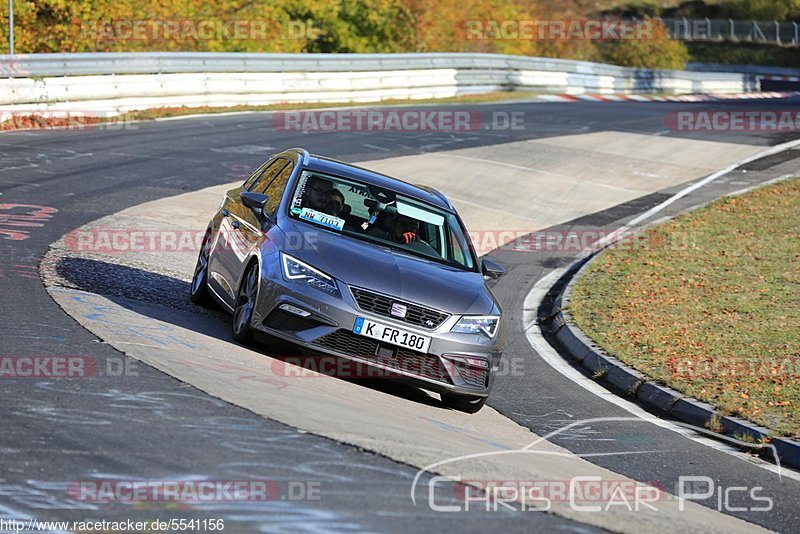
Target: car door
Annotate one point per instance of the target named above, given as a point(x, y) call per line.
point(239, 232)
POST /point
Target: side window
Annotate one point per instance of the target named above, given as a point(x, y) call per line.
point(458, 253)
point(250, 181)
point(432, 235)
point(261, 179)
point(276, 188)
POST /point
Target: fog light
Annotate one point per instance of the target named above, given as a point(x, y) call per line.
point(295, 310)
point(469, 361)
point(477, 362)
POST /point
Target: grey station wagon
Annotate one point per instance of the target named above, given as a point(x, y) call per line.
point(351, 265)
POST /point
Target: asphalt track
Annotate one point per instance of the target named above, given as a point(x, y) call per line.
point(151, 425)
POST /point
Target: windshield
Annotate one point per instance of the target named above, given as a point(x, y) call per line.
point(381, 216)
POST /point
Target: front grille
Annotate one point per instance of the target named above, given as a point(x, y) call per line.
point(416, 363)
point(283, 320)
point(382, 305)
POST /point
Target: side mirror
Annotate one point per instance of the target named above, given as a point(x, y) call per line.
point(492, 270)
point(255, 201)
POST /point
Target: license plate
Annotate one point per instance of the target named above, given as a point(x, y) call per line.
point(390, 334)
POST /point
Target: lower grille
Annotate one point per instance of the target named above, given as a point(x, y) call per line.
point(412, 362)
point(474, 377)
point(283, 320)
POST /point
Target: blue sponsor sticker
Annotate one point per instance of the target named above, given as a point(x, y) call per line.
point(359, 325)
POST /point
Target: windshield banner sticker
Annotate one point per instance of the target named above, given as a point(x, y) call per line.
point(322, 219)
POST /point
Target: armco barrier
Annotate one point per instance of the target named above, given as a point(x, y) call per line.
point(120, 82)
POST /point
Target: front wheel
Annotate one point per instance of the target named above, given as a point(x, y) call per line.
point(245, 304)
point(199, 291)
point(463, 403)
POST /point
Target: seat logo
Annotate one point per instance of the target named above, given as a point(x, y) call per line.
point(398, 310)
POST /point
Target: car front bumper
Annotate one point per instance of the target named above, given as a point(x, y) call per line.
point(328, 332)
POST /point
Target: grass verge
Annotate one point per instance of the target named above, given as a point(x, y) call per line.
point(709, 305)
point(49, 120)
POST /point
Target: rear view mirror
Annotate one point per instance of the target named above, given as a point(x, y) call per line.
point(255, 201)
point(374, 205)
point(491, 269)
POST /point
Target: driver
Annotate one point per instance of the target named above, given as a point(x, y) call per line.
point(405, 229)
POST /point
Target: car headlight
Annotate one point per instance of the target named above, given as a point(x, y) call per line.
point(477, 324)
point(298, 271)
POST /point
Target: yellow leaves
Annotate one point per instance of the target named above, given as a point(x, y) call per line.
point(657, 52)
point(348, 26)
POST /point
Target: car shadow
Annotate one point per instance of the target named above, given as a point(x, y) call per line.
point(161, 295)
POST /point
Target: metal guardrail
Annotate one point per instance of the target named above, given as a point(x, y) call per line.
point(125, 81)
point(757, 70)
point(748, 31)
point(41, 65)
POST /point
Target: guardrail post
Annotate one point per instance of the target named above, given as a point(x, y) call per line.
point(686, 31)
point(777, 32)
point(11, 27)
point(796, 34)
point(757, 29)
point(732, 27)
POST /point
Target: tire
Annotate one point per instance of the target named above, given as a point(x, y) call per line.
point(198, 291)
point(246, 298)
point(463, 403)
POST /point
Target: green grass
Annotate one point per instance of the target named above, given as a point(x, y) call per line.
point(744, 54)
point(709, 305)
point(34, 122)
point(498, 96)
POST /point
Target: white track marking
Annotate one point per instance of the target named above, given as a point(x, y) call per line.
point(708, 179)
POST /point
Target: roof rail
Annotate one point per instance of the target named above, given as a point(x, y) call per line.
point(303, 152)
point(437, 193)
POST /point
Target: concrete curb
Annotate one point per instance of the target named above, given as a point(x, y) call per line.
point(557, 324)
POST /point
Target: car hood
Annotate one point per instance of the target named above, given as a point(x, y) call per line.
point(368, 265)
